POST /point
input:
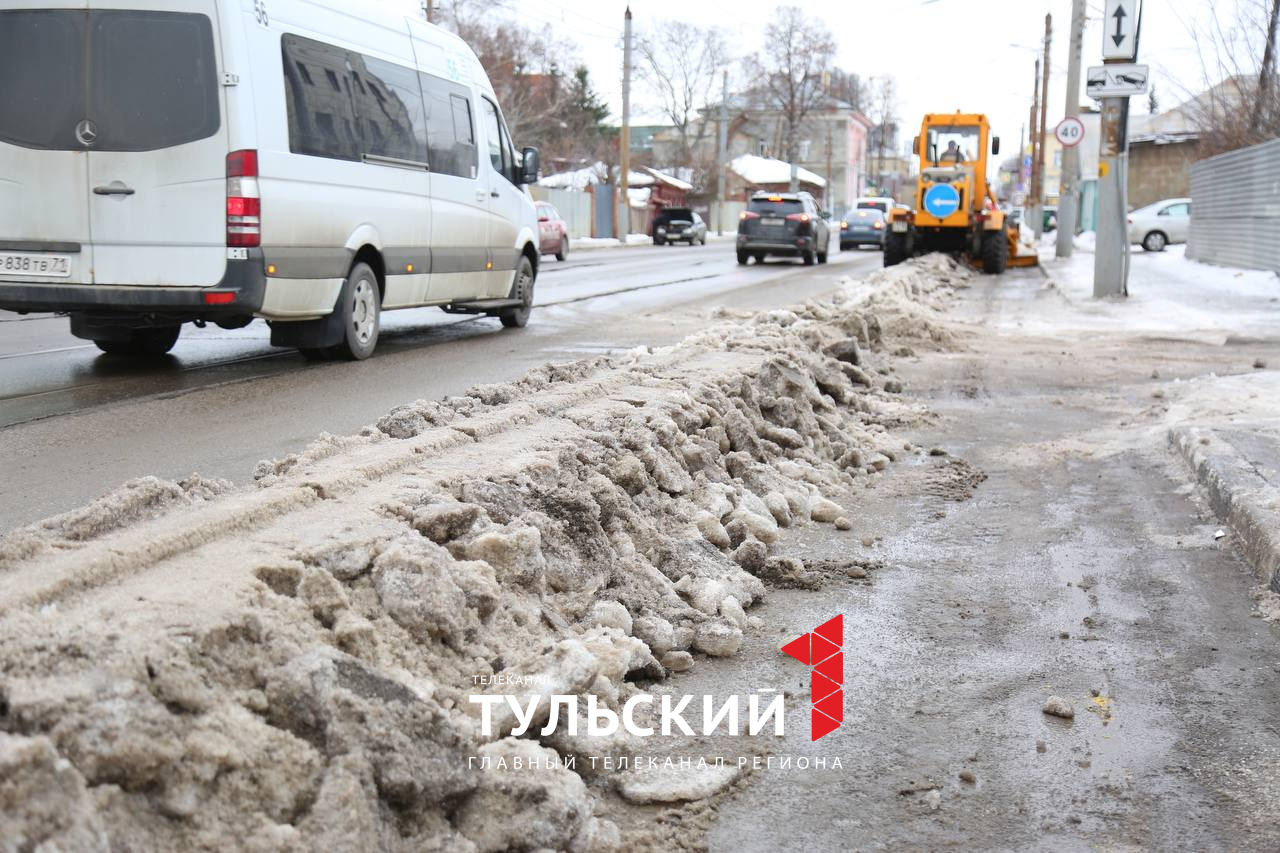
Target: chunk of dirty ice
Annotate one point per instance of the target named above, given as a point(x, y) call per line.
point(824, 511)
point(1056, 706)
point(611, 614)
point(515, 809)
point(712, 530)
point(730, 609)
point(717, 639)
point(656, 632)
point(677, 661)
point(674, 784)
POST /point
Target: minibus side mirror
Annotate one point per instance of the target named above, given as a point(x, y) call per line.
point(529, 171)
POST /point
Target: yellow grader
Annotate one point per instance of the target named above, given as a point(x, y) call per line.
point(955, 211)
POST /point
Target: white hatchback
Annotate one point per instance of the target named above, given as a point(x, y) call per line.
point(1157, 225)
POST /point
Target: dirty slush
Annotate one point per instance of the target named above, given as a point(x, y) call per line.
point(288, 664)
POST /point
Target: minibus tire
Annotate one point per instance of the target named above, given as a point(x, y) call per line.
point(144, 343)
point(522, 289)
point(361, 305)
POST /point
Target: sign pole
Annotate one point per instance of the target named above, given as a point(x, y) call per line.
point(1111, 258)
point(1069, 189)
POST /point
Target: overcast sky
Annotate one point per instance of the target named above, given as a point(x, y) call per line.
point(973, 55)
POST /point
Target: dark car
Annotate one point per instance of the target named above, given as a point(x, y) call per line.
point(862, 227)
point(784, 224)
point(553, 231)
point(678, 224)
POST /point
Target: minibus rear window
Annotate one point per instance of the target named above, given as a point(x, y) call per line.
point(153, 79)
point(42, 97)
point(127, 80)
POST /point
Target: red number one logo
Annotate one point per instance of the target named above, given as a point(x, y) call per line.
point(821, 649)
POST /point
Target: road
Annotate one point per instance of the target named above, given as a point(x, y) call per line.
point(75, 423)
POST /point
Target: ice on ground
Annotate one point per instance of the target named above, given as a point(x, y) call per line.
point(292, 662)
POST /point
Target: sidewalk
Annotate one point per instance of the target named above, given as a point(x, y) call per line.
point(1226, 428)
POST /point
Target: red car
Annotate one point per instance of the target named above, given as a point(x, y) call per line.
point(553, 231)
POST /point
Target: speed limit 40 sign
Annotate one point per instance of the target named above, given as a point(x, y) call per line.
point(1070, 132)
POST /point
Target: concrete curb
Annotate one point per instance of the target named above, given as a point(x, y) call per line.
point(1243, 493)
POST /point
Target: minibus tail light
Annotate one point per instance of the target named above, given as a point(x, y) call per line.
point(244, 202)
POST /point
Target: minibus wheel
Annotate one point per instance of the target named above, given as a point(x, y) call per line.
point(522, 289)
point(361, 307)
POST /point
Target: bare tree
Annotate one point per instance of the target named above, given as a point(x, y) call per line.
point(1241, 105)
point(797, 51)
point(682, 63)
point(465, 17)
point(560, 114)
point(882, 108)
point(1268, 70)
point(848, 87)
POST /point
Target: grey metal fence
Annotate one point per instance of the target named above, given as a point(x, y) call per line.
point(574, 206)
point(1235, 208)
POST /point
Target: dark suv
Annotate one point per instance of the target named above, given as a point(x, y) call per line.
point(786, 224)
point(676, 224)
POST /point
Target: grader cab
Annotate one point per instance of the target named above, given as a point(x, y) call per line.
point(955, 211)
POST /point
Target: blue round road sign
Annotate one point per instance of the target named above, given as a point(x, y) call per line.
point(942, 200)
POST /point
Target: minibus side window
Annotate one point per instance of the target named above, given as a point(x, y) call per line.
point(451, 135)
point(493, 138)
point(397, 118)
point(500, 153)
point(321, 120)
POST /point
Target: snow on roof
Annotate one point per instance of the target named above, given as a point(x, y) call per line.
point(580, 179)
point(669, 180)
point(766, 170)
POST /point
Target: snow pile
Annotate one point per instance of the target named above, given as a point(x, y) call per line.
point(290, 664)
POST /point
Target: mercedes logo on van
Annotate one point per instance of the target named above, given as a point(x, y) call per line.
point(87, 133)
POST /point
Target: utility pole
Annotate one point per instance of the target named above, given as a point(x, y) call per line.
point(1032, 203)
point(829, 202)
point(624, 140)
point(722, 151)
point(794, 153)
point(429, 10)
point(1111, 252)
point(1044, 114)
point(1069, 188)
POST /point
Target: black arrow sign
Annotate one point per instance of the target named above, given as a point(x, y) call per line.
point(1119, 15)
